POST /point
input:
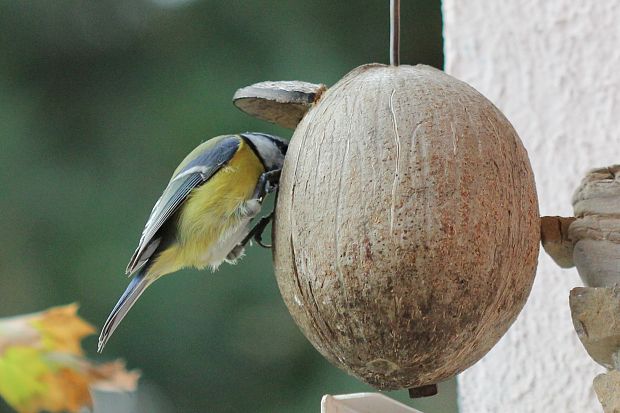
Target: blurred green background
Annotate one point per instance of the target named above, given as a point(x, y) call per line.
point(100, 101)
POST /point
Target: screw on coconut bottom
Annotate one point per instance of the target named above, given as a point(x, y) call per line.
point(423, 391)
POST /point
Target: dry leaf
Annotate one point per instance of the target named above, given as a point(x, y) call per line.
point(41, 363)
point(61, 329)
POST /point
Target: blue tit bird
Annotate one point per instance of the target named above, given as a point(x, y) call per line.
point(204, 215)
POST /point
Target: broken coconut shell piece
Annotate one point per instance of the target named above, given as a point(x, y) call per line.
point(555, 239)
point(283, 102)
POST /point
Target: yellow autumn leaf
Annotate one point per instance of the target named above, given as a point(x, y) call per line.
point(41, 363)
point(61, 329)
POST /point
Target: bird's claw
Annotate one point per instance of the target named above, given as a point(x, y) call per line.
point(267, 183)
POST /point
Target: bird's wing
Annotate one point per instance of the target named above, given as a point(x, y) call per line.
point(196, 169)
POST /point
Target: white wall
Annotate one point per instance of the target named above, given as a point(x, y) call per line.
point(553, 67)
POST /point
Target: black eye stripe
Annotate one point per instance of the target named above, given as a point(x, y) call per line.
point(254, 149)
point(282, 146)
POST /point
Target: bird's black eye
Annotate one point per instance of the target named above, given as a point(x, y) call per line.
point(281, 146)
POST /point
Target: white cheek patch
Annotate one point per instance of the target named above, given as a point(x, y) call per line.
point(268, 150)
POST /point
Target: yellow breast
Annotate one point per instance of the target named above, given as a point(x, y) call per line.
point(211, 211)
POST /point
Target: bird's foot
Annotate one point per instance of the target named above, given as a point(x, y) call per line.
point(267, 183)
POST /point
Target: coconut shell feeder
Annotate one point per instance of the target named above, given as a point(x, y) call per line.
point(407, 227)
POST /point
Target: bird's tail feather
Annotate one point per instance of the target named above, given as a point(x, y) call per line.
point(136, 287)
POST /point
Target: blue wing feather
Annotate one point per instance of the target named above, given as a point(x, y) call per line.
point(196, 169)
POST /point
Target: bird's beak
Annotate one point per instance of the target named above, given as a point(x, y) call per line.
point(134, 290)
